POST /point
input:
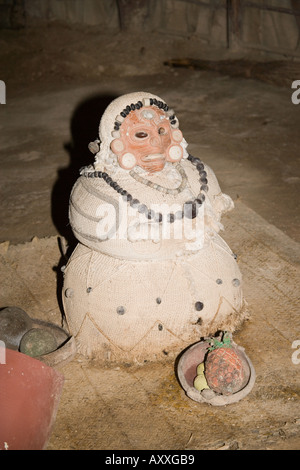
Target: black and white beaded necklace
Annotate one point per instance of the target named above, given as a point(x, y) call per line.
point(190, 207)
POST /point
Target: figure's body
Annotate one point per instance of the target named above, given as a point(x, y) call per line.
point(151, 273)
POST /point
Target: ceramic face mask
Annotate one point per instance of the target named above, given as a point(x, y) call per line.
point(147, 140)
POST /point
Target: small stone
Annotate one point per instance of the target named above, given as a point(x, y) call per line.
point(178, 215)
point(190, 210)
point(142, 208)
point(158, 217)
point(200, 382)
point(14, 323)
point(38, 342)
point(198, 202)
point(151, 214)
point(208, 393)
point(93, 147)
point(170, 218)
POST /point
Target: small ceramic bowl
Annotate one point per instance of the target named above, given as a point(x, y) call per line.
point(187, 371)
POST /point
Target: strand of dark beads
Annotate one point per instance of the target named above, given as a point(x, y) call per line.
point(138, 105)
point(190, 208)
point(202, 173)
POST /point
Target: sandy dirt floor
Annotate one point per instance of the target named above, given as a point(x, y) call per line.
point(59, 82)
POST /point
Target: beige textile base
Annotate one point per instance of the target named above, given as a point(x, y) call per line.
point(109, 406)
point(145, 310)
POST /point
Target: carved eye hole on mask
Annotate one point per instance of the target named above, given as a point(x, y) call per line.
point(141, 135)
point(162, 131)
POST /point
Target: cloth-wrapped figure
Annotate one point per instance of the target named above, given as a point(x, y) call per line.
point(150, 273)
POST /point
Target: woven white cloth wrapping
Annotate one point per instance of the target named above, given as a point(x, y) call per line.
point(133, 291)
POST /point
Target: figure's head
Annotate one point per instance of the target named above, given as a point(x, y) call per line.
point(140, 130)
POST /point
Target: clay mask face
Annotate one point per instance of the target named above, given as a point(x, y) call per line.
point(147, 140)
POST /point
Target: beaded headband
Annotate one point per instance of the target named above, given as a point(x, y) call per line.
point(145, 102)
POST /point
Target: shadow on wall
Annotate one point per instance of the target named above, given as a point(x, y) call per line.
point(84, 129)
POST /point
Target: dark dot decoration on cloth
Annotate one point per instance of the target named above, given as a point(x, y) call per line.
point(236, 282)
point(160, 327)
point(219, 281)
point(199, 306)
point(120, 310)
point(158, 300)
point(89, 289)
point(69, 292)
